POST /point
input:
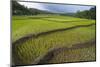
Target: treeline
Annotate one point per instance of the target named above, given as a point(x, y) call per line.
point(18, 9)
point(88, 14)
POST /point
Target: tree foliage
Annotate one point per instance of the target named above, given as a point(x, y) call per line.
point(88, 14)
point(18, 9)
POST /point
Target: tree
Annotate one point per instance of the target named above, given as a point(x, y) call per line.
point(18, 9)
point(88, 14)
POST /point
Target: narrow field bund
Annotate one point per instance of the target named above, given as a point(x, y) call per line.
point(38, 46)
point(37, 26)
point(21, 40)
point(15, 46)
point(64, 21)
point(44, 59)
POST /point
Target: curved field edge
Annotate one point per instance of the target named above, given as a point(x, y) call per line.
point(79, 52)
point(23, 28)
point(23, 39)
point(33, 48)
point(74, 55)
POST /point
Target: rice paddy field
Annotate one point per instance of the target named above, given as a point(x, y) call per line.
point(48, 39)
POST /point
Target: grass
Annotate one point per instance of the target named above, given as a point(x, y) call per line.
point(22, 28)
point(28, 51)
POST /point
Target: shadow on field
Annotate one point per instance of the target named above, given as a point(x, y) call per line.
point(56, 51)
point(44, 59)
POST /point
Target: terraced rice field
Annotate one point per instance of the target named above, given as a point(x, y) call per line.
point(52, 39)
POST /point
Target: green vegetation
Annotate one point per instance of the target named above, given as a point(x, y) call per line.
point(19, 9)
point(74, 55)
point(89, 14)
point(22, 10)
point(27, 52)
point(40, 37)
point(37, 26)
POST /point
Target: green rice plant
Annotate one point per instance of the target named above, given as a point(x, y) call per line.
point(26, 26)
point(74, 55)
point(28, 51)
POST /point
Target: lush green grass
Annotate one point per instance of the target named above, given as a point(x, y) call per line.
point(30, 50)
point(34, 48)
point(27, 26)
